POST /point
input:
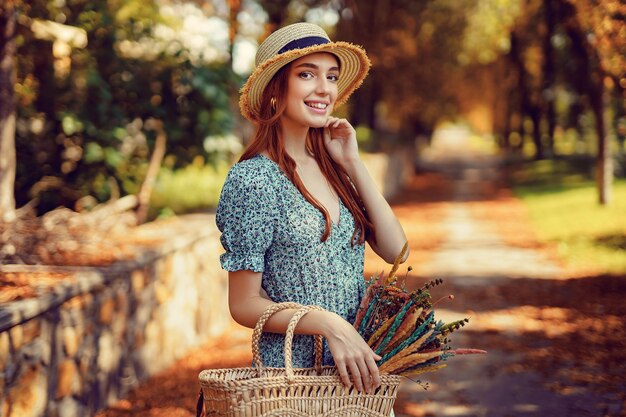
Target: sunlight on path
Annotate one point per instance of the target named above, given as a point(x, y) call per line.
point(473, 256)
point(471, 250)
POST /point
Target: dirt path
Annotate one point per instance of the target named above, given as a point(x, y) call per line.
point(556, 345)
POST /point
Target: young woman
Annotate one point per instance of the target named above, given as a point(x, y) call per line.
point(298, 207)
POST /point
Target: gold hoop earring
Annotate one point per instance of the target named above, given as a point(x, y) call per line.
point(273, 103)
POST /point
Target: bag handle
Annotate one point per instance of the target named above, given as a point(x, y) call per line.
point(258, 331)
point(289, 341)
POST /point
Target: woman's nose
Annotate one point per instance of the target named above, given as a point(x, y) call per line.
point(323, 86)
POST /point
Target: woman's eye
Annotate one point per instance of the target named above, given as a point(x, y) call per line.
point(305, 75)
point(333, 77)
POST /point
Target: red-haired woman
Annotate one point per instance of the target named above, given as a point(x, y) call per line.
point(298, 207)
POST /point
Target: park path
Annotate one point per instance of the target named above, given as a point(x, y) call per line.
point(493, 282)
point(555, 345)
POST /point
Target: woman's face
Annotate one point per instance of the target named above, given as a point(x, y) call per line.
point(311, 89)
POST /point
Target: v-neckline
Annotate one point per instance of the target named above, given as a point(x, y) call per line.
point(334, 223)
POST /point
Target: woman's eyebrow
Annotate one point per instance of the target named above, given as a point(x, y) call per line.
point(310, 65)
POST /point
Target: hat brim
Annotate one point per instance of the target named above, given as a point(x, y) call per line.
point(354, 66)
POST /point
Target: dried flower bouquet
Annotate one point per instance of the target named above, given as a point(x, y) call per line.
point(401, 327)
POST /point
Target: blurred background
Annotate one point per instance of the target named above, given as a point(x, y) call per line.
point(101, 87)
point(540, 80)
point(516, 107)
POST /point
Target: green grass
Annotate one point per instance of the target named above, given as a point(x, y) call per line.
point(193, 188)
point(573, 171)
point(564, 209)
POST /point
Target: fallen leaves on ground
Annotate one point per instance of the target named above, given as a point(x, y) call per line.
point(174, 391)
point(420, 208)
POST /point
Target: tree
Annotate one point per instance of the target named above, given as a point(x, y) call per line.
point(548, 70)
point(594, 28)
point(83, 131)
point(413, 47)
point(7, 110)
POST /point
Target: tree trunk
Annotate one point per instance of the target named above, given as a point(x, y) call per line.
point(7, 111)
point(362, 28)
point(593, 82)
point(516, 62)
point(548, 95)
point(604, 175)
point(234, 7)
point(503, 103)
point(153, 171)
point(535, 115)
point(620, 114)
point(277, 13)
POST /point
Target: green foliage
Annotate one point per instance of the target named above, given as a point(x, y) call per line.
point(365, 137)
point(570, 171)
point(83, 119)
point(562, 203)
point(489, 23)
point(192, 188)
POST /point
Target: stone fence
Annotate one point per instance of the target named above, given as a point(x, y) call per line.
point(99, 331)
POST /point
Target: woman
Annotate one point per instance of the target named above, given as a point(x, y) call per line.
point(297, 208)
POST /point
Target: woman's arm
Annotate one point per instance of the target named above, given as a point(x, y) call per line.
point(389, 235)
point(340, 140)
point(350, 352)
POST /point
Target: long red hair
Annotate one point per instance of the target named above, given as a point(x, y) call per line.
point(268, 138)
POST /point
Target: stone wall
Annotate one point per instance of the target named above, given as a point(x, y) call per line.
point(391, 171)
point(99, 332)
point(71, 352)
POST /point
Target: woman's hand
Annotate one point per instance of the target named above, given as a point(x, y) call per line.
point(352, 354)
point(340, 141)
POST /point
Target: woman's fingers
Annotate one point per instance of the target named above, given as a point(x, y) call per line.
point(373, 370)
point(356, 375)
point(330, 121)
point(365, 375)
point(353, 357)
point(326, 135)
point(343, 373)
point(334, 122)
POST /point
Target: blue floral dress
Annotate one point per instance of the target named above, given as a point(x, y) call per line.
point(268, 226)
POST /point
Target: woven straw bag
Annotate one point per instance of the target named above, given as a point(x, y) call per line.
point(288, 392)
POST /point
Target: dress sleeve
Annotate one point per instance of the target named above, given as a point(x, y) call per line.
point(246, 215)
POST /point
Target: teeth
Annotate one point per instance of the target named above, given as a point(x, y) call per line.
point(317, 105)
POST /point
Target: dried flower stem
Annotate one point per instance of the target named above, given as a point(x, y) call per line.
point(396, 263)
point(421, 370)
point(396, 323)
point(406, 329)
point(383, 328)
point(414, 347)
point(462, 351)
point(452, 326)
point(409, 361)
point(414, 336)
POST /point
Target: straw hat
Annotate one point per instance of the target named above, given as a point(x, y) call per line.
point(290, 43)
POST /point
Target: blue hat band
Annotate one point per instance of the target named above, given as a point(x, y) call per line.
point(303, 43)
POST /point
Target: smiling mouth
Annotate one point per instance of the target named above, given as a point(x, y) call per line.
point(316, 105)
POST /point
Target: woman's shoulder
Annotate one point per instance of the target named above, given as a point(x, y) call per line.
point(258, 171)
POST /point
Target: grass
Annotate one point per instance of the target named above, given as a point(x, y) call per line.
point(193, 188)
point(563, 207)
